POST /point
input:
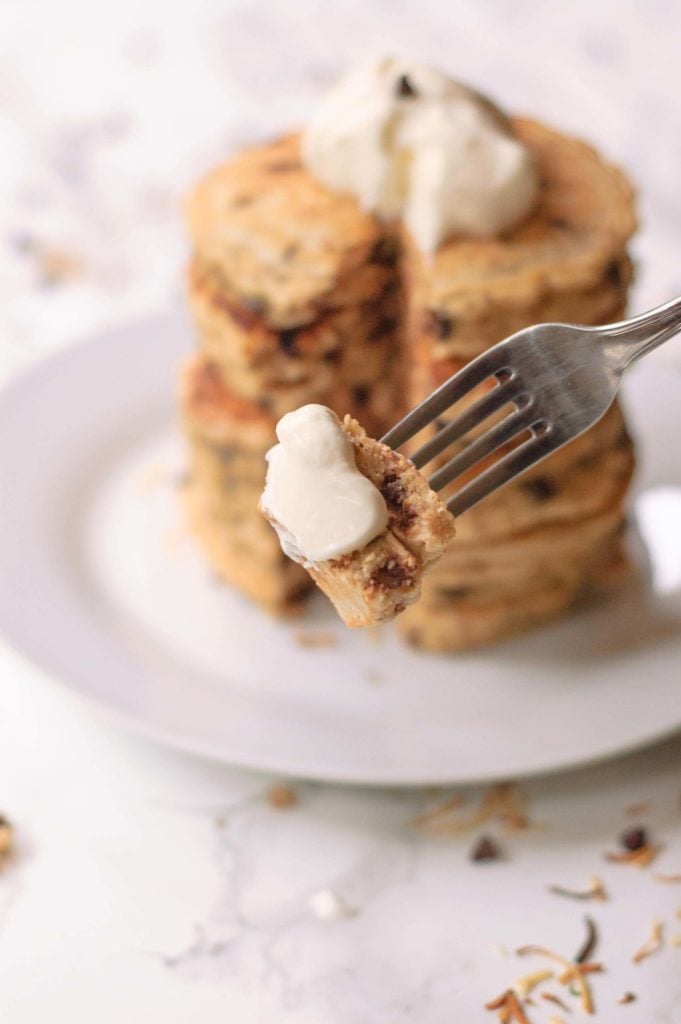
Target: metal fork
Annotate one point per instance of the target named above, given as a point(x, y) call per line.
point(559, 378)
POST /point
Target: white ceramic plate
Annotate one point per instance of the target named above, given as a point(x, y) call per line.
point(102, 588)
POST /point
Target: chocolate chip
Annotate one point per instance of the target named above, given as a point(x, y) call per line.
point(247, 312)
point(634, 839)
point(361, 394)
point(485, 849)
point(542, 488)
point(404, 88)
point(623, 442)
point(587, 461)
point(386, 325)
point(284, 166)
point(384, 252)
point(613, 273)
point(240, 201)
point(226, 453)
point(390, 576)
point(287, 341)
point(393, 492)
point(296, 595)
point(255, 303)
point(454, 593)
point(439, 324)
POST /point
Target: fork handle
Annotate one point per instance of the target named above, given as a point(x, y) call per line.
point(628, 340)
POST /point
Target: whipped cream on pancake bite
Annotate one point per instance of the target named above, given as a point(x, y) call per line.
point(321, 506)
point(413, 144)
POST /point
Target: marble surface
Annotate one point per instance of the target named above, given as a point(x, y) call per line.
point(147, 886)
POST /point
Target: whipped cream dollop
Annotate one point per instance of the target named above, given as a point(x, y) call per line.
point(320, 504)
point(409, 142)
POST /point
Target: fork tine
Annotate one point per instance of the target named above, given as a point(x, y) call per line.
point(502, 472)
point(451, 391)
point(493, 400)
point(486, 444)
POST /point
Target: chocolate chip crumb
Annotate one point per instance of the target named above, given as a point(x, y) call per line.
point(405, 88)
point(296, 595)
point(226, 453)
point(634, 839)
point(386, 325)
point(454, 593)
point(393, 492)
point(255, 303)
point(240, 201)
point(281, 797)
point(485, 849)
point(542, 488)
point(284, 166)
point(623, 441)
point(361, 394)
point(628, 997)
point(247, 312)
point(287, 341)
point(439, 324)
point(613, 273)
point(384, 252)
point(587, 461)
point(390, 576)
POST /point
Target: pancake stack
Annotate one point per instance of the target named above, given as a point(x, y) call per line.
point(296, 300)
point(528, 551)
point(299, 296)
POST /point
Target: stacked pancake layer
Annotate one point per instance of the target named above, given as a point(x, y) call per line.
point(299, 297)
point(296, 299)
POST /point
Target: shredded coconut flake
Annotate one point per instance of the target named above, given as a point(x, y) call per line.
point(329, 906)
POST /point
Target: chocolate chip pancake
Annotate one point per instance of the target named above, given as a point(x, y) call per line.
point(301, 296)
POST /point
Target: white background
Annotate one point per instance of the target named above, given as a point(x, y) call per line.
point(150, 887)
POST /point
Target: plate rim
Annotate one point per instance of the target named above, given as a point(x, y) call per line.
point(184, 745)
point(206, 749)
